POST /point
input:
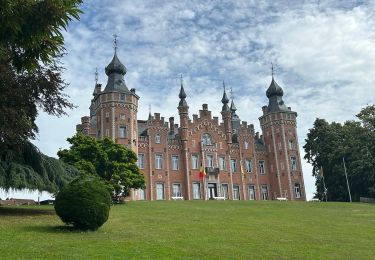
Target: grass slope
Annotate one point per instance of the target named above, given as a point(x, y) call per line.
point(197, 229)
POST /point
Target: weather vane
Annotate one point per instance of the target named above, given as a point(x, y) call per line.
point(96, 76)
point(115, 42)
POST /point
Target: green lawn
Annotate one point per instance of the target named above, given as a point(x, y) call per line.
point(196, 229)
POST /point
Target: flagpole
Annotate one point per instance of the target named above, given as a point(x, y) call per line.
point(346, 176)
point(324, 183)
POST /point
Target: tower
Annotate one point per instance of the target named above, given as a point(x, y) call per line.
point(279, 128)
point(226, 114)
point(183, 111)
point(116, 107)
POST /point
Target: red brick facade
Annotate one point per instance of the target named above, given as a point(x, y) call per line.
point(239, 163)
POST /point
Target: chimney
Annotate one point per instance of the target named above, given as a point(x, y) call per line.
point(171, 124)
point(205, 107)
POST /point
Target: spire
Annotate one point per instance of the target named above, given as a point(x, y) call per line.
point(233, 107)
point(149, 113)
point(182, 95)
point(115, 72)
point(225, 100)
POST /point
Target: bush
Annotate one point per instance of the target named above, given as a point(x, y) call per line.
point(84, 203)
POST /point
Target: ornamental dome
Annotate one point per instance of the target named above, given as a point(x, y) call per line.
point(274, 89)
point(115, 66)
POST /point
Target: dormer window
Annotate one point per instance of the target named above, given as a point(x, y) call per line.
point(207, 139)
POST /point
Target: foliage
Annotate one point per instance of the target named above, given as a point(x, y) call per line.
point(31, 44)
point(84, 203)
point(199, 230)
point(326, 146)
point(28, 168)
point(112, 162)
point(367, 117)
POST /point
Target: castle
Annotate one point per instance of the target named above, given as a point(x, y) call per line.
point(203, 157)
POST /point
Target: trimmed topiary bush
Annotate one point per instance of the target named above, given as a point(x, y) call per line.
point(84, 203)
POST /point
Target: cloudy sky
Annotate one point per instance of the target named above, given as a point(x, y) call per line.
point(323, 51)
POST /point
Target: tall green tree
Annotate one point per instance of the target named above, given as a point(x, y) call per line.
point(112, 162)
point(31, 44)
point(328, 144)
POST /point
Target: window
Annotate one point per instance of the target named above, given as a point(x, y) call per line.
point(194, 161)
point(157, 138)
point(176, 190)
point(107, 132)
point(251, 192)
point(262, 168)
point(122, 97)
point(141, 194)
point(264, 192)
point(297, 190)
point(279, 144)
point(196, 190)
point(158, 161)
point(233, 165)
point(236, 192)
point(222, 163)
point(293, 162)
point(248, 165)
point(291, 144)
point(206, 139)
point(224, 190)
point(159, 191)
point(175, 162)
point(107, 114)
point(122, 131)
point(209, 160)
point(141, 161)
point(246, 144)
point(193, 143)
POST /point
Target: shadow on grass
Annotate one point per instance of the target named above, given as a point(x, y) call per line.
point(53, 229)
point(23, 211)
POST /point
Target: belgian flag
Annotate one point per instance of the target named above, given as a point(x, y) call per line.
point(202, 171)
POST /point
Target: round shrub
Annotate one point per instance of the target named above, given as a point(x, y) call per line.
point(84, 203)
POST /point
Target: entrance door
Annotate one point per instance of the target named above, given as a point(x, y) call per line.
point(212, 191)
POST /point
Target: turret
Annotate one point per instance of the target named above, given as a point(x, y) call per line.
point(183, 111)
point(226, 114)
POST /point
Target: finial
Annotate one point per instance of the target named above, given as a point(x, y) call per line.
point(231, 93)
point(149, 109)
point(272, 69)
point(96, 76)
point(115, 42)
point(224, 85)
point(181, 79)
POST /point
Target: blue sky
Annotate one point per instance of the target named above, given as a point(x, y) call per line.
point(323, 51)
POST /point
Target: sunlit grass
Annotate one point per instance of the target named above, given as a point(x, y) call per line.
point(196, 229)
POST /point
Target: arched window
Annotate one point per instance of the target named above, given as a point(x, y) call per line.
point(246, 144)
point(157, 138)
point(206, 139)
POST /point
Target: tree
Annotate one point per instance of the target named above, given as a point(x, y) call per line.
point(28, 168)
point(367, 117)
point(31, 44)
point(112, 162)
point(326, 146)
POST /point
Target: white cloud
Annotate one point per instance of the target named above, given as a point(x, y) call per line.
point(324, 55)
